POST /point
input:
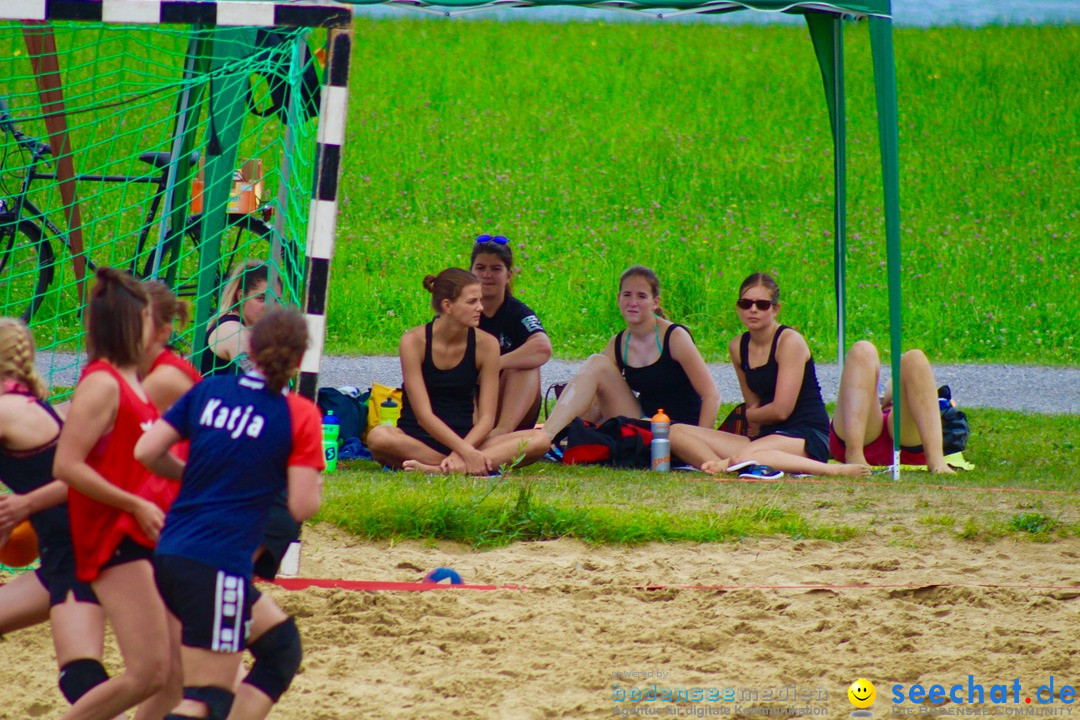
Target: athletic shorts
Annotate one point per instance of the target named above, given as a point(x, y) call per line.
point(212, 605)
point(58, 577)
point(281, 530)
point(817, 440)
point(417, 432)
point(878, 452)
point(127, 551)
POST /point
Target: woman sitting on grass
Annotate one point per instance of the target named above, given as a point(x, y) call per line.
point(441, 363)
point(523, 344)
point(783, 400)
point(652, 364)
point(242, 303)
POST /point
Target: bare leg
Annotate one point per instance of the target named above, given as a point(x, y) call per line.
point(705, 448)
point(858, 413)
point(131, 601)
point(598, 378)
point(24, 602)
point(519, 400)
point(920, 416)
point(393, 448)
point(789, 454)
point(251, 702)
point(172, 693)
point(78, 630)
point(530, 445)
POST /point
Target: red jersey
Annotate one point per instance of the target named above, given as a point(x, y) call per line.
point(96, 528)
point(169, 357)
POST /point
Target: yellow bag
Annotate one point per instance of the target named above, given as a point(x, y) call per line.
point(379, 394)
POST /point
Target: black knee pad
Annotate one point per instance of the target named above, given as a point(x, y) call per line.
point(218, 700)
point(277, 658)
point(79, 677)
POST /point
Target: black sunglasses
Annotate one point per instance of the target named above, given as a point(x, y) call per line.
point(497, 239)
point(746, 304)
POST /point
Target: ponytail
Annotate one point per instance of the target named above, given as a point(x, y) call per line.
point(278, 342)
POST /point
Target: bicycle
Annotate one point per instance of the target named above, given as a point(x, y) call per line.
point(28, 260)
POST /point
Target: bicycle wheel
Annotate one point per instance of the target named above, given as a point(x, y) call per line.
point(27, 264)
point(245, 237)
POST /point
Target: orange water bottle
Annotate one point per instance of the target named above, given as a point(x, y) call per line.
point(661, 445)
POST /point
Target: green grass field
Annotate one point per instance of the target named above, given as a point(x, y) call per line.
point(1019, 488)
point(704, 151)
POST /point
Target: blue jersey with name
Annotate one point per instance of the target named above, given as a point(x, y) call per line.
point(243, 438)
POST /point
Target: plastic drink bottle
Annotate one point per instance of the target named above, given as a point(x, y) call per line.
point(661, 445)
point(331, 426)
point(389, 412)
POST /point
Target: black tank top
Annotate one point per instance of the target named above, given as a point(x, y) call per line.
point(809, 408)
point(451, 392)
point(664, 384)
point(26, 470)
point(210, 364)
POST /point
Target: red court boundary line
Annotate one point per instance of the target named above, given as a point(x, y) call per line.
point(788, 480)
point(374, 585)
point(377, 585)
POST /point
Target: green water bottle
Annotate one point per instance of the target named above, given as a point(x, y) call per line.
point(389, 412)
point(331, 426)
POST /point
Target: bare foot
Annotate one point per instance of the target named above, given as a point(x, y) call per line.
point(942, 469)
point(851, 470)
point(417, 466)
point(715, 467)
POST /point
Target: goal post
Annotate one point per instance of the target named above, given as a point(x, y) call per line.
point(175, 139)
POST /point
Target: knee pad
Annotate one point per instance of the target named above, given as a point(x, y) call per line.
point(218, 700)
point(277, 658)
point(79, 677)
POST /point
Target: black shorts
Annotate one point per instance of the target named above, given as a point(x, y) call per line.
point(57, 571)
point(419, 433)
point(817, 439)
point(128, 551)
point(280, 531)
point(213, 606)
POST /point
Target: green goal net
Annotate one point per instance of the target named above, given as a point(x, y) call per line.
point(176, 152)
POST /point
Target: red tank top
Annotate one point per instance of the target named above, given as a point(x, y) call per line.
point(169, 357)
point(96, 528)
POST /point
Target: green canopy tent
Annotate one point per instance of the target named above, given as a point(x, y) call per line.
point(825, 21)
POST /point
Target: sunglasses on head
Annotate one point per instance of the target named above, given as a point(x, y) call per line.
point(746, 304)
point(497, 239)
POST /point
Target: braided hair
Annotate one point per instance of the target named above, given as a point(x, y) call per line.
point(17, 356)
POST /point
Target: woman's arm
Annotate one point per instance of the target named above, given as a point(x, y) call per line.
point(152, 450)
point(90, 417)
point(305, 492)
point(532, 354)
point(791, 356)
point(165, 385)
point(16, 508)
point(687, 355)
point(411, 350)
point(487, 361)
point(749, 397)
point(228, 340)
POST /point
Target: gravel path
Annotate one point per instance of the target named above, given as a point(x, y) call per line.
point(1009, 387)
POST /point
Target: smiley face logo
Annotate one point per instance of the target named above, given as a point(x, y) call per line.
point(862, 693)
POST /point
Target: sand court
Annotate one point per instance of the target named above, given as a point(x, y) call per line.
point(931, 611)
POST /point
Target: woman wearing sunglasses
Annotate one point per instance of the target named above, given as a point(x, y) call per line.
point(783, 400)
point(442, 364)
point(652, 364)
point(523, 344)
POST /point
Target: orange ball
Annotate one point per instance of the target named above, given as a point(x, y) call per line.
point(21, 548)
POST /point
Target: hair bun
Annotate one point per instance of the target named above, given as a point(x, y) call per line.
point(429, 283)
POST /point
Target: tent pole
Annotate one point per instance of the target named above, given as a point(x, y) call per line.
point(881, 42)
point(840, 193)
